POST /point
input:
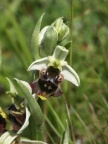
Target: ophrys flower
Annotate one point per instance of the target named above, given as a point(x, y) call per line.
point(53, 68)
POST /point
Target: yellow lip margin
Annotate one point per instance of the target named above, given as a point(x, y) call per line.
point(42, 97)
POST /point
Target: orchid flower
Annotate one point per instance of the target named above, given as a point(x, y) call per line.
point(18, 115)
point(15, 119)
point(57, 61)
point(9, 136)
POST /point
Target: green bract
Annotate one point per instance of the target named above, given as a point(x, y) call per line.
point(44, 41)
point(62, 29)
point(48, 40)
point(32, 103)
point(57, 60)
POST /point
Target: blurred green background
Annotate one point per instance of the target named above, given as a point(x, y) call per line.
point(89, 102)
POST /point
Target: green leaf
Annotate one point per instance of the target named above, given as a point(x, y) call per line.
point(33, 105)
point(15, 48)
point(52, 127)
point(14, 6)
point(19, 34)
point(65, 139)
point(35, 38)
point(56, 116)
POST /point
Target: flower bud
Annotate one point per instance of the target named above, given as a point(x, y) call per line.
point(49, 38)
point(62, 29)
point(58, 22)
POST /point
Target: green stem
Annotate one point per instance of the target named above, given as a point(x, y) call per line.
point(68, 108)
point(0, 56)
point(71, 26)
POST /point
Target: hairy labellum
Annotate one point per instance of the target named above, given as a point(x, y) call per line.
point(16, 117)
point(48, 83)
point(2, 124)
